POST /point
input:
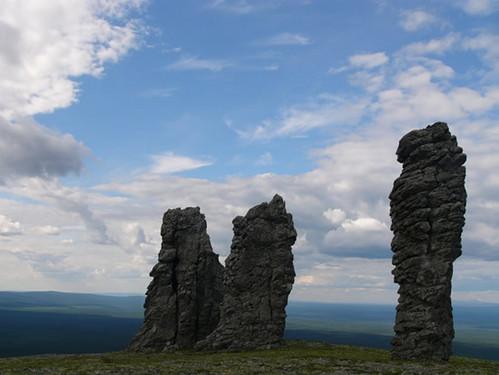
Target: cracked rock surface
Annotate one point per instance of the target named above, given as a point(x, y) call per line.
point(427, 209)
point(259, 275)
point(182, 303)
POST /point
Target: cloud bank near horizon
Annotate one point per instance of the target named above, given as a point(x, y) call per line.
point(104, 235)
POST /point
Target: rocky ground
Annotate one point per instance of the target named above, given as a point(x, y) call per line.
point(292, 358)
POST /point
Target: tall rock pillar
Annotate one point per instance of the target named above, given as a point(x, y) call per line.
point(259, 275)
point(427, 209)
point(183, 300)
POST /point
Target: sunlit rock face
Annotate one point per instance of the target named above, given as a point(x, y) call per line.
point(183, 300)
point(259, 275)
point(427, 209)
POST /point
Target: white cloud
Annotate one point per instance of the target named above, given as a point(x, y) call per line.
point(70, 200)
point(195, 63)
point(169, 163)
point(434, 46)
point(487, 45)
point(371, 82)
point(46, 44)
point(264, 159)
point(244, 6)
point(346, 280)
point(413, 20)
point(479, 7)
point(118, 222)
point(363, 224)
point(325, 111)
point(49, 230)
point(285, 39)
point(9, 227)
point(271, 68)
point(368, 60)
point(136, 235)
point(357, 237)
point(335, 215)
point(305, 280)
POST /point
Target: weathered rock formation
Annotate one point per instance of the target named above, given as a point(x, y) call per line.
point(183, 300)
point(259, 275)
point(427, 208)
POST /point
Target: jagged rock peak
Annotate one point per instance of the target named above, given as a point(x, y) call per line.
point(427, 206)
point(183, 300)
point(258, 278)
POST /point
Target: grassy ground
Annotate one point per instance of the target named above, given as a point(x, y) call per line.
point(293, 358)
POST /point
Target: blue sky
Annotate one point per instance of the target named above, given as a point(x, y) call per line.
point(112, 111)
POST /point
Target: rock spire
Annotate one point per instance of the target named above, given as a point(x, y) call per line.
point(183, 299)
point(427, 209)
point(259, 275)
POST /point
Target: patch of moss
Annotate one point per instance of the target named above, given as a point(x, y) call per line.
point(294, 357)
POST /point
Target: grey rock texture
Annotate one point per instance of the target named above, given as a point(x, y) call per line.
point(259, 275)
point(427, 209)
point(183, 300)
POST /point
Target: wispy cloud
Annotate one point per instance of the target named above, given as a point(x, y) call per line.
point(479, 7)
point(326, 110)
point(414, 20)
point(244, 6)
point(433, 46)
point(48, 230)
point(169, 163)
point(157, 93)
point(285, 39)
point(264, 159)
point(195, 63)
point(368, 60)
point(487, 45)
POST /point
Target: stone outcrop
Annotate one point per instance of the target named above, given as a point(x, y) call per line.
point(427, 209)
point(259, 275)
point(183, 300)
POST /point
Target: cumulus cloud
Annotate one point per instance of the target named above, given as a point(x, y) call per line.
point(136, 235)
point(46, 44)
point(335, 215)
point(415, 90)
point(9, 227)
point(413, 20)
point(364, 236)
point(50, 153)
point(340, 207)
